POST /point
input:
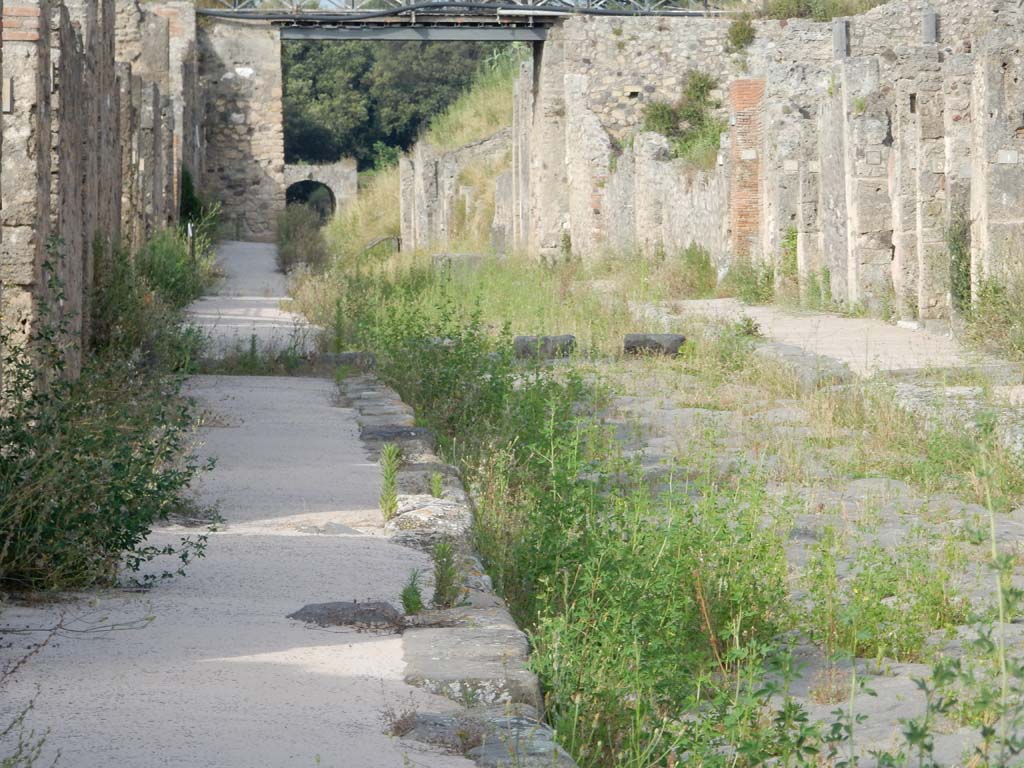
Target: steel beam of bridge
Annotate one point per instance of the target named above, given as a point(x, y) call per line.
point(491, 20)
point(347, 11)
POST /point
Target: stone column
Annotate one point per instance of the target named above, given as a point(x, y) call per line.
point(997, 189)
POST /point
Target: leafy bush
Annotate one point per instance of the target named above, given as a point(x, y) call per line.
point(89, 465)
point(741, 33)
point(299, 238)
point(690, 123)
point(168, 266)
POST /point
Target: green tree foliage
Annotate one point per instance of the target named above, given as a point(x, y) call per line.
point(343, 99)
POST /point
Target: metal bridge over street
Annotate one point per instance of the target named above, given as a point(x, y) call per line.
point(505, 20)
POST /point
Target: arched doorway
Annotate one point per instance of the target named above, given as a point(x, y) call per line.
point(316, 195)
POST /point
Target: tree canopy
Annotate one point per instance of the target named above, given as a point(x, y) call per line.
point(360, 99)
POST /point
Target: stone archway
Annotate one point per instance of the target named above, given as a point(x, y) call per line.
point(341, 178)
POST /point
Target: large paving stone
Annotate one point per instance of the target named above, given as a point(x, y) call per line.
point(481, 661)
point(811, 371)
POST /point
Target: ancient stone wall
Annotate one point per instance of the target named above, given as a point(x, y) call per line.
point(95, 92)
point(859, 140)
point(242, 85)
point(435, 198)
point(342, 178)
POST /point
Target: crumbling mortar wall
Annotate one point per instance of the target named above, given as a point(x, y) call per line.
point(88, 153)
point(869, 134)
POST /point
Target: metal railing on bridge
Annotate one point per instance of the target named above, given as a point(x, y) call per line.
point(311, 9)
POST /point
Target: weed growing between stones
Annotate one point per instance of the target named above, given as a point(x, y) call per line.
point(690, 123)
point(436, 485)
point(390, 463)
point(255, 358)
point(412, 595)
point(447, 590)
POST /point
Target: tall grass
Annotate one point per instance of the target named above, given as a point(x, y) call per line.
point(483, 109)
point(819, 10)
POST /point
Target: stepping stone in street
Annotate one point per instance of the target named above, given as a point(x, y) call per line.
point(349, 614)
point(544, 347)
point(667, 344)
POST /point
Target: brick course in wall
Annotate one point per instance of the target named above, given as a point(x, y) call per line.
point(746, 104)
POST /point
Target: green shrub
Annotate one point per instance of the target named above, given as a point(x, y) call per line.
point(90, 464)
point(390, 461)
point(129, 318)
point(996, 321)
point(447, 589)
point(661, 117)
point(412, 595)
point(958, 240)
point(299, 238)
point(749, 282)
point(741, 33)
point(690, 123)
point(170, 269)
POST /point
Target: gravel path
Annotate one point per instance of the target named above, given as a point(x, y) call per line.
point(207, 670)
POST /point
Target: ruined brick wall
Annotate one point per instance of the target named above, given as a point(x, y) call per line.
point(242, 83)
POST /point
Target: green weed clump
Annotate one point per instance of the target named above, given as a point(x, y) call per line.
point(447, 590)
point(887, 606)
point(749, 282)
point(996, 320)
point(690, 123)
point(299, 239)
point(91, 464)
point(741, 33)
point(390, 463)
point(412, 595)
point(436, 485)
point(168, 267)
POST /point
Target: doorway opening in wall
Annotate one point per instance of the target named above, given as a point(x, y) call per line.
point(315, 195)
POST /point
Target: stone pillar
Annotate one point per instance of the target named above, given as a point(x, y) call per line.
point(832, 206)
point(241, 76)
point(73, 154)
point(903, 191)
point(549, 215)
point(997, 189)
point(868, 139)
point(24, 158)
point(932, 250)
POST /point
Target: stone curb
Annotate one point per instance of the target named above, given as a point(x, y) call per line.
point(473, 654)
